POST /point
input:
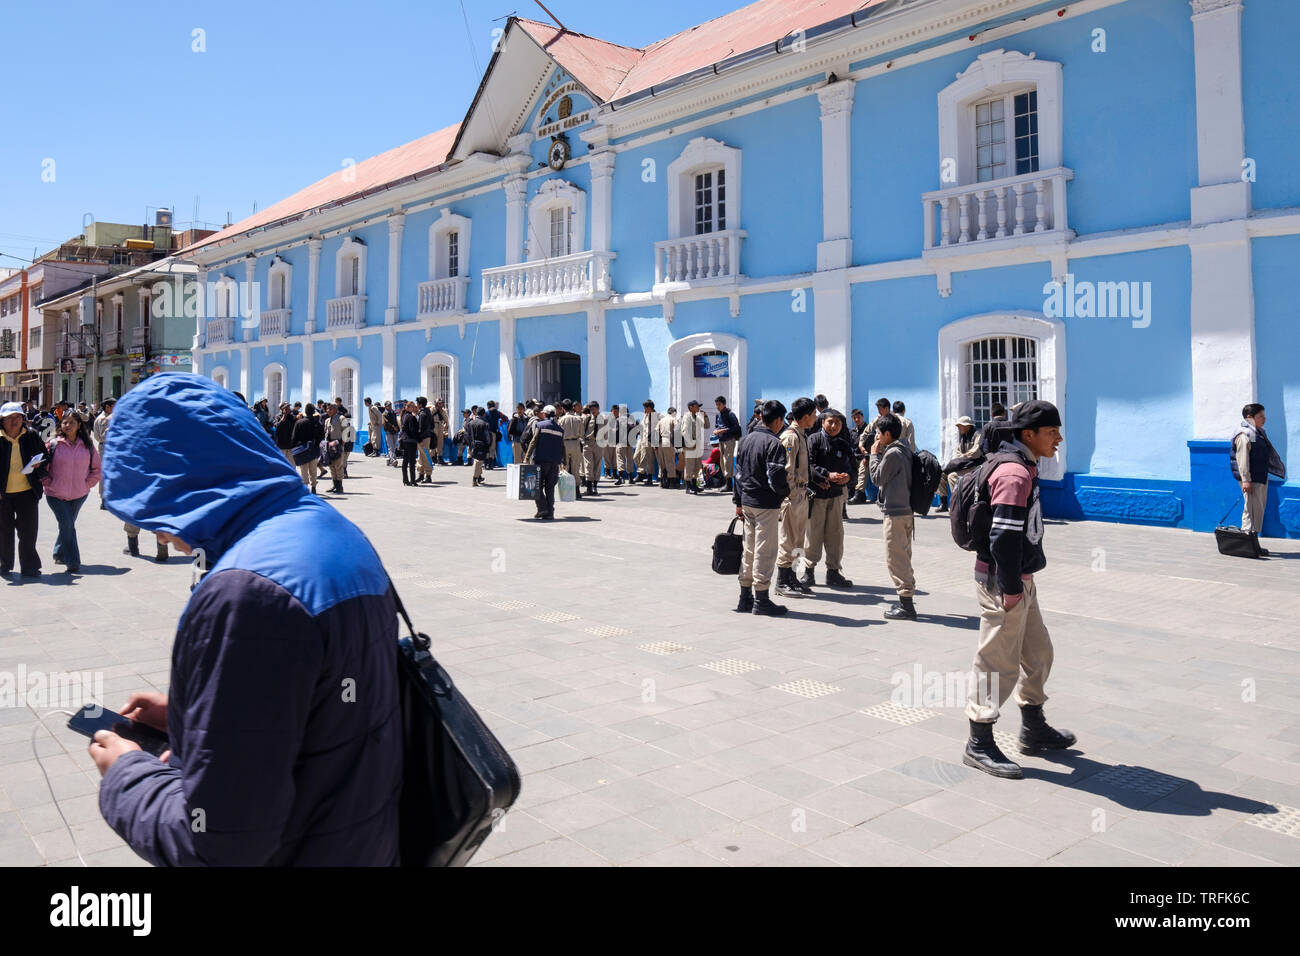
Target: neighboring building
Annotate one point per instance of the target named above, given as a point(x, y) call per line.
point(109, 335)
point(838, 196)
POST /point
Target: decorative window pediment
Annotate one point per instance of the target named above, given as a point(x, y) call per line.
point(556, 220)
point(449, 246)
point(704, 189)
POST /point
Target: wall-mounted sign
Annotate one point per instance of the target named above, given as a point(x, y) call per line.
point(562, 125)
point(711, 365)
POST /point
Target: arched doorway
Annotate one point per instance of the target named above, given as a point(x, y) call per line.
point(552, 376)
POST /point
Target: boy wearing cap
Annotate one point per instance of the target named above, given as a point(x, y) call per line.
point(647, 443)
point(695, 431)
point(1014, 644)
point(968, 455)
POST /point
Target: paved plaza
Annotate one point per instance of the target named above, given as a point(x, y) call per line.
point(655, 726)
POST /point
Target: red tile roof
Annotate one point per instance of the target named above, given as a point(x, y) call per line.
point(606, 69)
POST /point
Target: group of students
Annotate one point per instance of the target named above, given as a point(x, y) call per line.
point(315, 438)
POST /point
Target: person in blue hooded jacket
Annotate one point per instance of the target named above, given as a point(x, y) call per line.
point(283, 711)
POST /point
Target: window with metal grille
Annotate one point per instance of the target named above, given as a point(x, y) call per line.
point(710, 201)
point(274, 390)
point(277, 291)
point(453, 254)
point(561, 244)
point(1002, 369)
point(439, 384)
point(992, 160)
point(356, 276)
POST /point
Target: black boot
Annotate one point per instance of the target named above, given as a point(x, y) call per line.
point(162, 555)
point(807, 580)
point(618, 481)
point(904, 610)
point(746, 603)
point(763, 605)
point(338, 487)
point(1036, 734)
point(786, 583)
point(982, 753)
point(133, 546)
point(836, 580)
point(859, 498)
point(943, 506)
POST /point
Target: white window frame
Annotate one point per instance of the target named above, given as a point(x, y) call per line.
point(275, 368)
point(553, 194)
point(954, 341)
point(353, 400)
point(277, 269)
point(701, 154)
point(681, 355)
point(349, 249)
point(448, 222)
point(453, 384)
point(221, 375)
point(224, 298)
point(1000, 73)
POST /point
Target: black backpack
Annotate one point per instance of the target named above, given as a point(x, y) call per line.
point(926, 474)
point(970, 511)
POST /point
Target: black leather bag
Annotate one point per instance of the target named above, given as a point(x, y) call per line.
point(1234, 542)
point(458, 781)
point(728, 548)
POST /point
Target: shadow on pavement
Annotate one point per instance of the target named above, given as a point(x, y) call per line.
point(965, 621)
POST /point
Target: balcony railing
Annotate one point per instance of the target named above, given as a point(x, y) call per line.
point(111, 342)
point(219, 332)
point(583, 275)
point(442, 296)
point(273, 324)
point(1017, 206)
point(349, 312)
point(67, 347)
point(710, 255)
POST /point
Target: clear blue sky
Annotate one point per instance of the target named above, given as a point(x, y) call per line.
point(132, 117)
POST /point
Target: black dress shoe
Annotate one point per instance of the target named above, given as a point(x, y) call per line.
point(31, 574)
point(836, 580)
point(1036, 734)
point(983, 753)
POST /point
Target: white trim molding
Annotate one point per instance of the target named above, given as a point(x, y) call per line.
point(1048, 333)
point(446, 222)
point(1000, 71)
point(699, 154)
point(453, 385)
point(220, 374)
point(682, 350)
point(267, 371)
point(556, 193)
point(351, 401)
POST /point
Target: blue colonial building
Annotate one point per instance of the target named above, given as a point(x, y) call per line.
point(947, 202)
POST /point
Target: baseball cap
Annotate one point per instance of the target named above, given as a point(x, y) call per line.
point(1035, 414)
point(10, 408)
point(549, 409)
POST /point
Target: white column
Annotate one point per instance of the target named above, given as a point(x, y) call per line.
point(832, 338)
point(308, 369)
point(1223, 299)
point(602, 195)
point(245, 379)
point(507, 388)
point(832, 315)
point(396, 223)
point(313, 280)
point(596, 373)
point(200, 306)
point(389, 372)
point(515, 189)
point(249, 306)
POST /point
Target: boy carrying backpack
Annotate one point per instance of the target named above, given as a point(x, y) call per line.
point(997, 513)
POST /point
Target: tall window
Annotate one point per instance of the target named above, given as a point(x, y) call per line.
point(438, 384)
point(1002, 369)
point(710, 201)
point(277, 291)
point(275, 390)
point(353, 280)
point(453, 254)
point(561, 234)
point(995, 157)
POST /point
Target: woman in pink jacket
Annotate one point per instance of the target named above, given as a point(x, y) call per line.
point(74, 470)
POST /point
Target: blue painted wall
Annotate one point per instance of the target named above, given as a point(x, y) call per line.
point(1271, 91)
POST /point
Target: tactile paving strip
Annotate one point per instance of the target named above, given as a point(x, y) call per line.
point(1285, 821)
point(898, 714)
point(511, 605)
point(805, 687)
point(431, 583)
point(555, 617)
point(606, 630)
point(474, 594)
point(732, 666)
point(1140, 779)
point(663, 647)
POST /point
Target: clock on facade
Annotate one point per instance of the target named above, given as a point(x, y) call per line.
point(558, 154)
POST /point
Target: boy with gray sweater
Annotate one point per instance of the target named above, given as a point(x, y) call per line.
point(891, 472)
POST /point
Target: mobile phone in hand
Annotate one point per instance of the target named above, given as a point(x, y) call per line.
point(93, 718)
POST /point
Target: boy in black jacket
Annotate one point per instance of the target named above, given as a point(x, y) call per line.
point(759, 488)
point(830, 465)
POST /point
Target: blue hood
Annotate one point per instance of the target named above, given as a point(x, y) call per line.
point(183, 455)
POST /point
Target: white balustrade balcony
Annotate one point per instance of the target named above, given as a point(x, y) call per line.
point(583, 275)
point(442, 296)
point(709, 255)
point(111, 342)
point(1027, 205)
point(273, 324)
point(139, 338)
point(219, 332)
point(349, 312)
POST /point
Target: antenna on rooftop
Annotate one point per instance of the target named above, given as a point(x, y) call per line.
point(562, 27)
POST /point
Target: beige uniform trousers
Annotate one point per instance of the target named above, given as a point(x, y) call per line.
point(864, 472)
point(592, 456)
point(644, 457)
point(1014, 645)
point(1253, 502)
point(308, 473)
point(691, 467)
point(422, 466)
point(825, 531)
point(898, 552)
point(609, 454)
point(667, 461)
point(727, 452)
point(573, 457)
point(794, 527)
point(623, 459)
point(759, 559)
point(337, 467)
point(518, 448)
point(288, 455)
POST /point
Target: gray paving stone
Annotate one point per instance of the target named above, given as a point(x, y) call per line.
point(624, 839)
